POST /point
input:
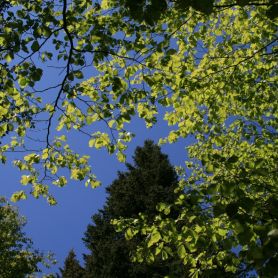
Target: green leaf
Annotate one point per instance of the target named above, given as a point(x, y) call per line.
point(121, 157)
point(78, 74)
point(23, 82)
point(19, 195)
point(9, 57)
point(92, 142)
point(25, 179)
point(162, 207)
point(273, 233)
point(155, 237)
point(181, 251)
point(129, 234)
point(35, 46)
point(164, 255)
point(61, 181)
point(93, 182)
point(222, 232)
point(37, 74)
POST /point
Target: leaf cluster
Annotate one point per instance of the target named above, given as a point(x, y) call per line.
point(211, 75)
point(152, 11)
point(17, 256)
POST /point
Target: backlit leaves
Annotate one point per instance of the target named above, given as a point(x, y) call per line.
point(154, 238)
point(208, 70)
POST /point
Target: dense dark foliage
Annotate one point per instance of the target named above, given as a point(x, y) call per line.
point(153, 10)
point(150, 180)
point(72, 268)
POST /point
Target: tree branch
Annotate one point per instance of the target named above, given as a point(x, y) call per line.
point(65, 27)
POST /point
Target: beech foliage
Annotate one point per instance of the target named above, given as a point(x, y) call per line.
point(209, 73)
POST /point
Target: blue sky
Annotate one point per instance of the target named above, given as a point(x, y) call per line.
point(60, 228)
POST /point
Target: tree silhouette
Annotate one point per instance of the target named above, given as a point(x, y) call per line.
point(150, 180)
point(72, 268)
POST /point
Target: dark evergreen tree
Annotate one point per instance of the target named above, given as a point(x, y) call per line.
point(72, 268)
point(150, 180)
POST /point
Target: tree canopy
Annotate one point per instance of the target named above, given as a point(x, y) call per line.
point(149, 181)
point(152, 11)
point(209, 74)
point(199, 68)
point(17, 256)
point(72, 268)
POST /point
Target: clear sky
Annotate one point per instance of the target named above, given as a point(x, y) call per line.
point(60, 228)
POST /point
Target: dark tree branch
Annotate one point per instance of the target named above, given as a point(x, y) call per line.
point(245, 59)
point(41, 45)
point(65, 27)
point(248, 4)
